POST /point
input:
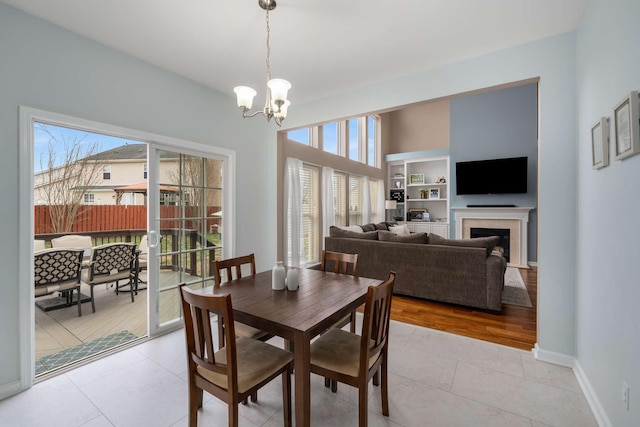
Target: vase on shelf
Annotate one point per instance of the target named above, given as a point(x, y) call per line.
point(277, 276)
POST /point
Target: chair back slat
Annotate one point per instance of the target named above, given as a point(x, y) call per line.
point(375, 324)
point(197, 311)
point(339, 262)
point(231, 264)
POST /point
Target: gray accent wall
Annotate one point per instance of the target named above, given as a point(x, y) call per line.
point(492, 125)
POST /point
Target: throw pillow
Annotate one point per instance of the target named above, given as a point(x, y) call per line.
point(382, 226)
point(400, 230)
point(340, 232)
point(479, 242)
point(411, 238)
point(368, 227)
point(354, 228)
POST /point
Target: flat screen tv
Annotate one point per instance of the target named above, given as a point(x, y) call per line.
point(494, 176)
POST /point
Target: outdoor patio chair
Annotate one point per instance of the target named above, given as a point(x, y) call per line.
point(74, 241)
point(111, 263)
point(143, 257)
point(38, 245)
point(234, 372)
point(58, 270)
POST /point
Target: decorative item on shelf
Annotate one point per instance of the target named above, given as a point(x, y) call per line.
point(416, 214)
point(292, 279)
point(398, 184)
point(434, 193)
point(441, 180)
point(423, 193)
point(398, 175)
point(277, 276)
point(276, 103)
point(416, 178)
point(426, 217)
point(397, 195)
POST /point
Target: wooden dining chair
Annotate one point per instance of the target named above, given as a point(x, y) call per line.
point(341, 263)
point(234, 372)
point(229, 266)
point(354, 359)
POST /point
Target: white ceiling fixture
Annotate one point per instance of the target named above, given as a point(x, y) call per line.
point(276, 102)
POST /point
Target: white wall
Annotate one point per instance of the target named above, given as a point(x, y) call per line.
point(553, 61)
point(46, 67)
point(608, 287)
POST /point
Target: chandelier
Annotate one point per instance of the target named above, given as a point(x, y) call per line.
point(276, 103)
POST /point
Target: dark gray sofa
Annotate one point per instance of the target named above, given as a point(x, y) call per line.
point(453, 274)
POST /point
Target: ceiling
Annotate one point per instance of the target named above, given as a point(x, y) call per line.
point(321, 47)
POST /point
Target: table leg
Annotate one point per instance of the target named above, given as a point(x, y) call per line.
point(301, 344)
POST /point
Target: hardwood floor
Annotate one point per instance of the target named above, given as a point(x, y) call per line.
point(514, 327)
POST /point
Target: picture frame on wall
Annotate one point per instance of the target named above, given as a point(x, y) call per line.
point(600, 143)
point(416, 178)
point(626, 127)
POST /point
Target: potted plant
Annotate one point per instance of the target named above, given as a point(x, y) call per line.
point(423, 193)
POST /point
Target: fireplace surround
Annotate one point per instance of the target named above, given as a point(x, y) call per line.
point(514, 219)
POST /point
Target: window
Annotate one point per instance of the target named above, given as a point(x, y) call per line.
point(330, 138)
point(299, 135)
point(355, 200)
point(354, 141)
point(372, 151)
point(106, 172)
point(373, 197)
point(144, 171)
point(311, 212)
point(339, 198)
point(89, 198)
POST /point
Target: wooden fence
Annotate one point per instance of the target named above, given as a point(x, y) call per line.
point(92, 218)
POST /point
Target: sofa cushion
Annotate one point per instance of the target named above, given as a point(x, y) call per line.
point(341, 232)
point(369, 227)
point(400, 230)
point(411, 238)
point(354, 228)
point(478, 242)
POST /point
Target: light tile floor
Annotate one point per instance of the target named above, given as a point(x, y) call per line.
point(435, 379)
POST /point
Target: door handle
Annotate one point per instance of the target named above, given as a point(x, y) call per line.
point(153, 238)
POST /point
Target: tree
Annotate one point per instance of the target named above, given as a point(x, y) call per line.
point(67, 174)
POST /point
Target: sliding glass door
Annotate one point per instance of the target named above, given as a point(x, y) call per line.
point(187, 227)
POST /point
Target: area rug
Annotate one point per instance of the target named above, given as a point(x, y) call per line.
point(515, 292)
point(70, 355)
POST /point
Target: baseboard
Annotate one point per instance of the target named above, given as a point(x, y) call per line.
point(10, 389)
point(571, 362)
point(592, 399)
point(553, 357)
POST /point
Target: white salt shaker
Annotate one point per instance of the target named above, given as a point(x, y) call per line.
point(277, 276)
point(292, 279)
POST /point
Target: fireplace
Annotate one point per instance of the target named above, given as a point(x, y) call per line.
point(513, 219)
point(504, 234)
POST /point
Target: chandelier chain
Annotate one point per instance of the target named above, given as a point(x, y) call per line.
point(268, 48)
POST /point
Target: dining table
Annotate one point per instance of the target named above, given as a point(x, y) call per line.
point(321, 300)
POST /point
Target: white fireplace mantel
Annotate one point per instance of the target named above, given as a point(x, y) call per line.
point(513, 218)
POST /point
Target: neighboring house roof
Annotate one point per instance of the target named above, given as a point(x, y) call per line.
point(128, 152)
point(124, 152)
